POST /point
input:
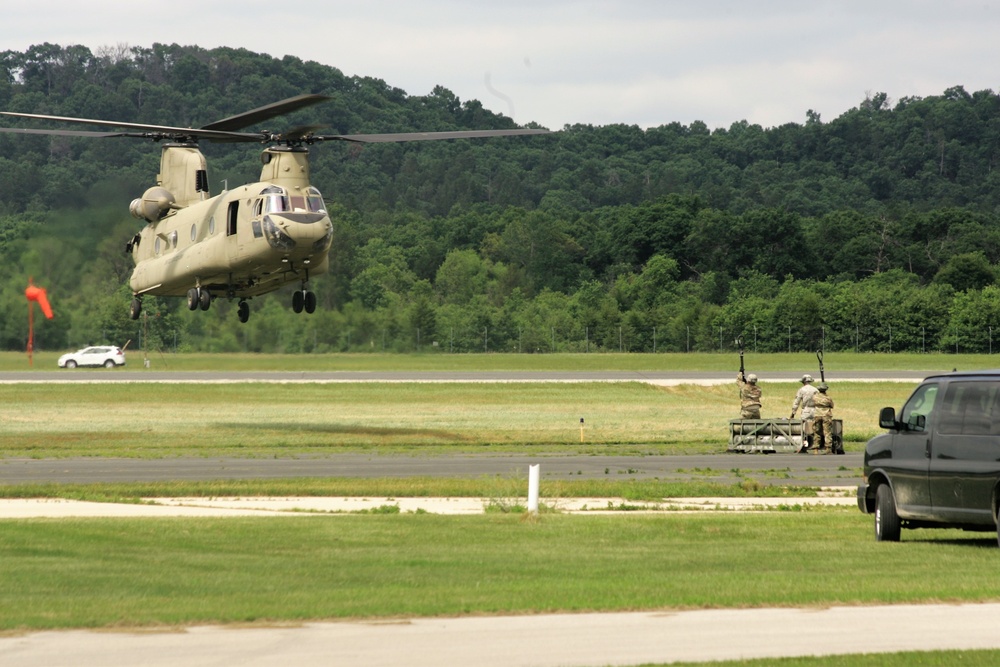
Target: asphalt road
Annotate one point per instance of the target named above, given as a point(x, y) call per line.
point(778, 469)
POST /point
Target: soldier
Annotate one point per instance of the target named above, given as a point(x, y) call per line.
point(804, 398)
point(749, 396)
point(823, 419)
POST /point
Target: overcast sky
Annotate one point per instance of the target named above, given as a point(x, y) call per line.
point(558, 62)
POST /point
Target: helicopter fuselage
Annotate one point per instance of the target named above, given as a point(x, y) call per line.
point(241, 243)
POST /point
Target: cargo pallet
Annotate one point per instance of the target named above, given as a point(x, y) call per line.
point(772, 436)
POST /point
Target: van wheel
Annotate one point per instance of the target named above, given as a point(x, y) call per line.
point(886, 519)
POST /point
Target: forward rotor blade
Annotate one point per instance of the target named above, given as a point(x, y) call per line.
point(424, 136)
point(151, 131)
point(69, 133)
point(248, 118)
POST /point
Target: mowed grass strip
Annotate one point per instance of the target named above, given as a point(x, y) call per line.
point(725, 360)
point(252, 420)
point(112, 573)
point(983, 658)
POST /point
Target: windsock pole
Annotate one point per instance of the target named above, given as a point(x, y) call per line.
point(31, 333)
point(38, 295)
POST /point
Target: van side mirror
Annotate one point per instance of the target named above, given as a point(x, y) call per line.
point(887, 418)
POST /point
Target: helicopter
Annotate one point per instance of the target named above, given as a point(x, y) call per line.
point(243, 242)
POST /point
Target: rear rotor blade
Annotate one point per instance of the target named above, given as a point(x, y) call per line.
point(423, 136)
point(268, 111)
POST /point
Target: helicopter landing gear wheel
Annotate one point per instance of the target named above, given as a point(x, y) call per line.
point(303, 300)
point(135, 308)
point(193, 298)
point(204, 299)
point(243, 312)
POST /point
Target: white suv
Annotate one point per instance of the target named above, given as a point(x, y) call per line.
point(108, 356)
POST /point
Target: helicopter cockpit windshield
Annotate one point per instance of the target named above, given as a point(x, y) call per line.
point(277, 200)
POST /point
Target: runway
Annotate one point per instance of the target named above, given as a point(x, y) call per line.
point(771, 469)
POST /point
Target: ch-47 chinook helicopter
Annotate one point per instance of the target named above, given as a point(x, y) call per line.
point(243, 242)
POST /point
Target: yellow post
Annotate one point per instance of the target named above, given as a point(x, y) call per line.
point(581, 429)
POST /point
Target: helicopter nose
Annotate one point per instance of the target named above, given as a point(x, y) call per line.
point(291, 231)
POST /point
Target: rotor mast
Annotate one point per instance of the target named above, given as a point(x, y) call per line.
point(286, 166)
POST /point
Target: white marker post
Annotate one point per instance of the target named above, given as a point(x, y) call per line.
point(533, 489)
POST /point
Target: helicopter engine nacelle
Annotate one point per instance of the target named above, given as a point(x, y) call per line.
point(154, 204)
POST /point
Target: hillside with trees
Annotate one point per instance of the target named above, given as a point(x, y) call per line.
point(875, 230)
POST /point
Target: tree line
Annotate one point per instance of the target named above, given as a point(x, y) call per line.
point(877, 230)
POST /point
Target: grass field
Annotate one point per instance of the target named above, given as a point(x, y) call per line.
point(102, 572)
point(255, 420)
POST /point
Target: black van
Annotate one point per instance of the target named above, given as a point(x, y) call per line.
point(939, 464)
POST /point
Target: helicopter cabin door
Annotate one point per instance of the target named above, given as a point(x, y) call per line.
point(235, 234)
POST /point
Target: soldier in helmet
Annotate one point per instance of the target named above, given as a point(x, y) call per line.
point(823, 419)
point(804, 398)
point(749, 396)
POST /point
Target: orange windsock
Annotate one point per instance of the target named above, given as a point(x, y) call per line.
point(38, 295)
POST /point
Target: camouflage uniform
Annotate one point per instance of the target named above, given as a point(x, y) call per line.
point(804, 398)
point(823, 418)
point(749, 397)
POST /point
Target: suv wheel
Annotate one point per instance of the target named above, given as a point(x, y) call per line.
point(886, 519)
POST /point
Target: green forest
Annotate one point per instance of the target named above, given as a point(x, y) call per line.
point(878, 230)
